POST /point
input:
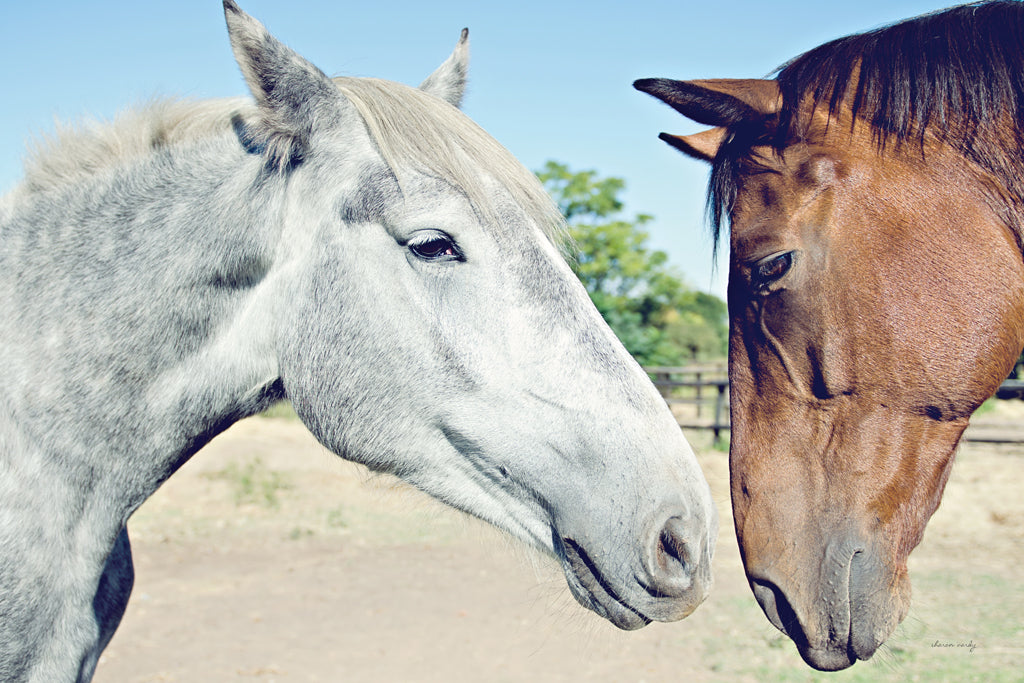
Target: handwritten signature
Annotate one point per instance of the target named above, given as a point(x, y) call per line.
point(968, 645)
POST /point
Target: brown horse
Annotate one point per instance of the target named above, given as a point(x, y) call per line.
point(875, 193)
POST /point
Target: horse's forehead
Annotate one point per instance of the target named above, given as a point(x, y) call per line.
point(779, 180)
point(374, 195)
point(785, 198)
point(379, 195)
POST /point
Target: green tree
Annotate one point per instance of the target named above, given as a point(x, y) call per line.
point(659, 319)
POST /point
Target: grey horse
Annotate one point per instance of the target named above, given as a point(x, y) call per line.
point(360, 248)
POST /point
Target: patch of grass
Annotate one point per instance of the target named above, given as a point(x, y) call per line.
point(281, 410)
point(337, 518)
point(253, 483)
point(987, 407)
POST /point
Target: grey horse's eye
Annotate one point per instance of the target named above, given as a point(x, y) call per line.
point(435, 246)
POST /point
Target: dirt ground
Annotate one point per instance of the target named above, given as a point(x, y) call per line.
point(268, 559)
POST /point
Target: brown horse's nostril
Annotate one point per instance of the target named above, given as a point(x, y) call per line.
point(777, 608)
point(831, 654)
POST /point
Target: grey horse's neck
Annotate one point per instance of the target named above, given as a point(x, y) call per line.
point(174, 249)
point(134, 327)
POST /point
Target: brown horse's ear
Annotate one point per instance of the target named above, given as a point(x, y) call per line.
point(717, 102)
point(703, 145)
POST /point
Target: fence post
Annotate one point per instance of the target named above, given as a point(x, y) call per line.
point(661, 380)
point(700, 395)
point(719, 405)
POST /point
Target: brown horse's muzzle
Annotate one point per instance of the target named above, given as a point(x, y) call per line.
point(826, 530)
point(837, 608)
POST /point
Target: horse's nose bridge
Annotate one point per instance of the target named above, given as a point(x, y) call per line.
point(627, 443)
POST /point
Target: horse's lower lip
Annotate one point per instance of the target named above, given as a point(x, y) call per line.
point(837, 658)
point(827, 659)
point(844, 649)
point(593, 593)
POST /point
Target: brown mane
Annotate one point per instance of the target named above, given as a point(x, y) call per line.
point(957, 74)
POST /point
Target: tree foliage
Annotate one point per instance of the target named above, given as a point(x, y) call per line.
point(659, 319)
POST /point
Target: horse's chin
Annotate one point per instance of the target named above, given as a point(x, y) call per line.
point(591, 591)
point(827, 659)
point(860, 646)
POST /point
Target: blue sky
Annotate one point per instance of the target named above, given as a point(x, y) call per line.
point(549, 80)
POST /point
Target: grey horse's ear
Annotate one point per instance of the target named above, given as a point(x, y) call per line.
point(289, 91)
point(449, 80)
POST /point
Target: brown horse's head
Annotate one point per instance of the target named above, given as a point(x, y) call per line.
point(876, 299)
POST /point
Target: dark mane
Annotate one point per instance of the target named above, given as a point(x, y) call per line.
point(957, 74)
point(952, 70)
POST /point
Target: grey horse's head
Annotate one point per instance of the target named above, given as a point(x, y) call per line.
point(427, 326)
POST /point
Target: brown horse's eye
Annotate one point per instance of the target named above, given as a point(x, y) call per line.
point(770, 269)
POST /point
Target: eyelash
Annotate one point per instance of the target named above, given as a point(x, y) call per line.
point(434, 247)
point(770, 269)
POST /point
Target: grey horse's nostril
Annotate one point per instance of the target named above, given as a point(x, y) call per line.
point(673, 550)
point(675, 560)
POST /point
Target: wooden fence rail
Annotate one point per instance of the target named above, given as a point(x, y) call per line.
point(699, 398)
point(698, 394)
